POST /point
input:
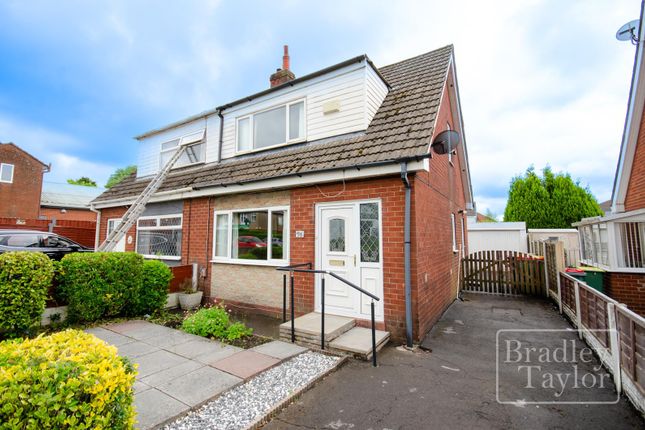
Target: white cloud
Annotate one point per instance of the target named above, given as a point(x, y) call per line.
point(51, 146)
point(65, 166)
point(541, 83)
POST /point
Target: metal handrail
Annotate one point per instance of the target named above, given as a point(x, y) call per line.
point(296, 268)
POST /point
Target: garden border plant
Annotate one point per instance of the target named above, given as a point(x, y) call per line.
point(25, 278)
point(66, 380)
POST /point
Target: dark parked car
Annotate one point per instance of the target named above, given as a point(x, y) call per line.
point(55, 246)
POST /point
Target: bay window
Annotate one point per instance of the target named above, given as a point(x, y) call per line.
point(160, 236)
point(251, 236)
point(272, 127)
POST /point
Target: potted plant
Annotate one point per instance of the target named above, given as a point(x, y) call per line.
point(189, 297)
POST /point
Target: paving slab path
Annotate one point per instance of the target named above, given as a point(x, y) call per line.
point(454, 386)
point(178, 371)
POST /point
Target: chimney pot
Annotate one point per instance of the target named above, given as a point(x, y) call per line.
point(285, 58)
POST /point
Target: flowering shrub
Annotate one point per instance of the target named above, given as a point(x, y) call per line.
point(66, 380)
point(24, 280)
point(215, 322)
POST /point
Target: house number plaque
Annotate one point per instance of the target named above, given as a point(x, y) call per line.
point(300, 234)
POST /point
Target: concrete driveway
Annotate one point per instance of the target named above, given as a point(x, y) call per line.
point(178, 371)
point(454, 386)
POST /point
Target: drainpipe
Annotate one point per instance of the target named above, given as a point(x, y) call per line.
point(98, 226)
point(406, 257)
point(221, 135)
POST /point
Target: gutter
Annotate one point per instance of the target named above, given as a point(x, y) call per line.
point(406, 252)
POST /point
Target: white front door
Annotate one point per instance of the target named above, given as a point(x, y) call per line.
point(111, 225)
point(349, 245)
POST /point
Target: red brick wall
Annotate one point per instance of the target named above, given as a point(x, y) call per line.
point(391, 192)
point(69, 214)
point(197, 238)
point(437, 194)
point(635, 198)
point(116, 212)
point(20, 199)
point(627, 288)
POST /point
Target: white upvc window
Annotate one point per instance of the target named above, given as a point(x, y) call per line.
point(632, 244)
point(453, 228)
point(194, 153)
point(258, 236)
point(275, 126)
point(6, 173)
point(160, 236)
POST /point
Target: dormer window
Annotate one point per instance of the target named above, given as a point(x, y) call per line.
point(193, 154)
point(272, 127)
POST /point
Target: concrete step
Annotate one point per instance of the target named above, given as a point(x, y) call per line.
point(307, 328)
point(358, 342)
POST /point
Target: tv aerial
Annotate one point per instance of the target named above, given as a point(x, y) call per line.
point(629, 31)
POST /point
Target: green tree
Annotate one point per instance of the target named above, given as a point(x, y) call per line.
point(83, 180)
point(551, 201)
point(119, 175)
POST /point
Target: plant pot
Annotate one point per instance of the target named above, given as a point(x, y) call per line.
point(188, 301)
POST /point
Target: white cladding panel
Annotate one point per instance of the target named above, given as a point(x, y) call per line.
point(375, 92)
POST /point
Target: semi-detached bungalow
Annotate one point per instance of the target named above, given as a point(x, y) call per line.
point(314, 170)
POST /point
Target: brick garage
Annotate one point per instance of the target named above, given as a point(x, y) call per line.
point(627, 288)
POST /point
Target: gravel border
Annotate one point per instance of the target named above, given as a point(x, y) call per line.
point(251, 404)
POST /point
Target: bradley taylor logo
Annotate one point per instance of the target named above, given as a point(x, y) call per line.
point(549, 366)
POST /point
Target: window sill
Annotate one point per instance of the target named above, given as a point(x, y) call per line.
point(242, 262)
point(162, 257)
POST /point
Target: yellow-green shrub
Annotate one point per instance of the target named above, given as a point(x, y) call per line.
point(24, 280)
point(67, 380)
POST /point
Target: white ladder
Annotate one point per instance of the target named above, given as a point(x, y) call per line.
point(139, 205)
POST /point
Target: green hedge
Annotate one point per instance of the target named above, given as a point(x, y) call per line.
point(25, 278)
point(153, 293)
point(68, 380)
point(105, 284)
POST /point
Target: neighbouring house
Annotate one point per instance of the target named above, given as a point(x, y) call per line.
point(314, 170)
point(615, 242)
point(21, 179)
point(60, 201)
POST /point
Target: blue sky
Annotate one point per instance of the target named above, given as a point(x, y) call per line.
point(542, 82)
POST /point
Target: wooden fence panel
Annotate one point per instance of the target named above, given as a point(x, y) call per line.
point(502, 273)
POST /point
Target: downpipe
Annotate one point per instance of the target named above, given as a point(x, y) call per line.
point(406, 254)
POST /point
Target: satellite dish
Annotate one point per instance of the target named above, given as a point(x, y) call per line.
point(445, 142)
point(629, 31)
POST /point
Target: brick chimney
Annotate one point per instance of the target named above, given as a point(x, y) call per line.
point(284, 74)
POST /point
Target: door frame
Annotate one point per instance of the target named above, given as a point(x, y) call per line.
point(379, 306)
point(107, 231)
